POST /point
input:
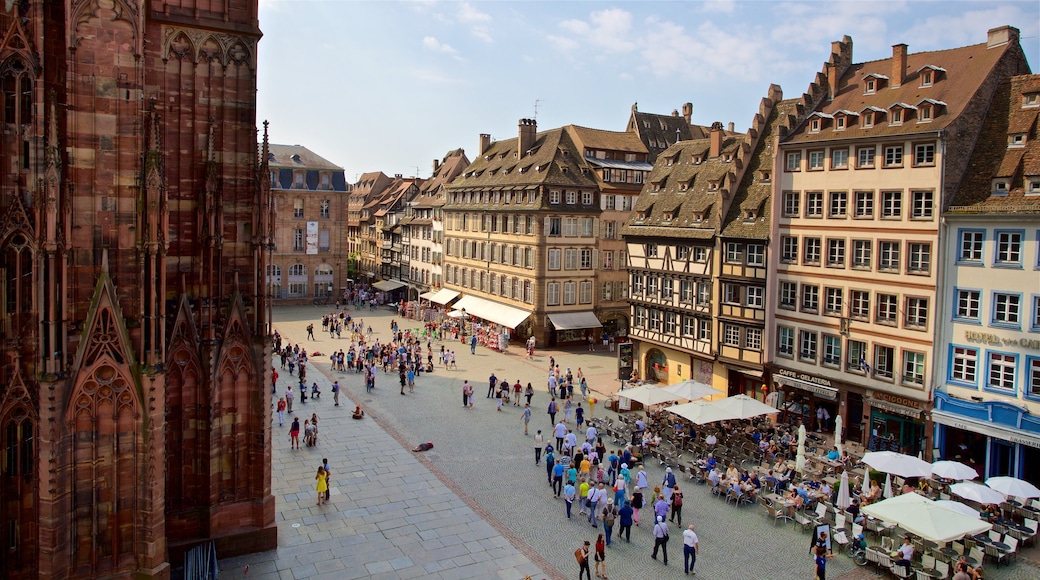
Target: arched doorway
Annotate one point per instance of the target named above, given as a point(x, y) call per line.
point(655, 366)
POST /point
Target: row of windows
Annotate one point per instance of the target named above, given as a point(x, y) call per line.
point(298, 181)
point(499, 224)
point(1006, 311)
point(889, 254)
point(697, 254)
point(807, 298)
point(508, 255)
point(827, 350)
point(324, 206)
point(424, 276)
point(491, 283)
point(866, 158)
point(571, 258)
point(299, 270)
point(811, 205)
point(573, 293)
point(690, 291)
point(495, 198)
point(1007, 247)
point(1000, 371)
point(671, 323)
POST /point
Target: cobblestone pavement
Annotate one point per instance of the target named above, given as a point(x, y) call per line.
point(476, 505)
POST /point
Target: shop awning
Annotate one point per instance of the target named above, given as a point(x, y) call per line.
point(444, 296)
point(822, 391)
point(991, 429)
point(427, 295)
point(574, 320)
point(388, 285)
point(507, 316)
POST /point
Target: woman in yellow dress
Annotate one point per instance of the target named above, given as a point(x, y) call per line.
point(322, 484)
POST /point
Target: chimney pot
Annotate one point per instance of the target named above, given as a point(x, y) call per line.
point(1001, 36)
point(898, 64)
point(731, 127)
point(715, 141)
point(485, 142)
point(436, 165)
point(687, 111)
point(528, 128)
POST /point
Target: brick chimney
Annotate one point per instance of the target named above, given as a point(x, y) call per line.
point(832, 81)
point(898, 64)
point(687, 111)
point(731, 127)
point(1001, 36)
point(436, 166)
point(715, 142)
point(485, 142)
point(527, 130)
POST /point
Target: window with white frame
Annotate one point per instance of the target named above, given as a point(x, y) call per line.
point(811, 250)
point(670, 323)
point(1009, 248)
point(839, 158)
point(655, 320)
point(792, 204)
point(637, 283)
point(831, 350)
point(689, 325)
point(1036, 314)
point(887, 309)
point(700, 254)
point(570, 291)
point(807, 344)
point(554, 258)
point(651, 250)
point(585, 292)
point(1033, 377)
point(323, 208)
point(755, 297)
point(861, 254)
point(833, 298)
point(652, 286)
point(572, 197)
point(919, 258)
point(586, 198)
point(731, 335)
point(888, 256)
point(968, 302)
point(922, 205)
point(703, 292)
point(586, 259)
point(788, 294)
point(810, 297)
point(570, 259)
point(734, 253)
point(297, 208)
point(836, 253)
point(964, 365)
point(864, 205)
point(1007, 309)
point(666, 288)
point(298, 240)
point(893, 156)
point(839, 204)
point(788, 249)
point(884, 362)
point(552, 293)
point(785, 341)
point(857, 356)
point(703, 329)
point(865, 157)
point(971, 242)
point(607, 259)
point(686, 291)
point(859, 309)
point(924, 154)
point(816, 160)
point(891, 204)
point(913, 367)
point(1001, 371)
point(756, 255)
point(814, 204)
point(753, 338)
point(639, 317)
point(916, 315)
point(794, 161)
point(731, 293)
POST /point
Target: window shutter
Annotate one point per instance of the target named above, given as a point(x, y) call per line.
point(595, 227)
point(545, 231)
point(595, 259)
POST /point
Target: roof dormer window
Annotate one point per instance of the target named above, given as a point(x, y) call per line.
point(926, 78)
point(684, 186)
point(897, 117)
point(666, 217)
point(839, 123)
point(656, 186)
point(764, 176)
point(870, 87)
point(697, 159)
point(1031, 100)
point(713, 186)
point(749, 215)
point(868, 119)
point(641, 216)
point(814, 125)
point(873, 82)
point(698, 217)
point(924, 114)
point(1033, 185)
point(1016, 140)
point(728, 157)
point(1000, 186)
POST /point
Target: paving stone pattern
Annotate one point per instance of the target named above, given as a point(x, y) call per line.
point(476, 505)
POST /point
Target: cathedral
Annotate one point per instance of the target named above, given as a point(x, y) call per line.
point(135, 229)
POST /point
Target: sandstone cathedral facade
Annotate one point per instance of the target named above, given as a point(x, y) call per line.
point(135, 228)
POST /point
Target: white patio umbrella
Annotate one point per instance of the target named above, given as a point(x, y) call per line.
point(844, 500)
point(976, 492)
point(743, 407)
point(698, 412)
point(954, 470)
point(887, 492)
point(958, 507)
point(919, 515)
point(898, 464)
point(799, 458)
point(648, 395)
point(1013, 486)
point(691, 390)
point(837, 434)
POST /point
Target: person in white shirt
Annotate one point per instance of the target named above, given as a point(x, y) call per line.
point(711, 439)
point(590, 434)
point(906, 553)
point(691, 545)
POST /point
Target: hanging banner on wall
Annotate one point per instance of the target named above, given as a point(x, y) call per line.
point(312, 237)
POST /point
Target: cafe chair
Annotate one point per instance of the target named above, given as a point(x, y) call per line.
point(803, 520)
point(943, 568)
point(900, 571)
point(976, 554)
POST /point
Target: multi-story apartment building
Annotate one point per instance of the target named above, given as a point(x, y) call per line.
point(310, 195)
point(423, 234)
point(856, 215)
point(659, 132)
point(387, 235)
point(521, 227)
point(700, 227)
point(987, 406)
point(361, 227)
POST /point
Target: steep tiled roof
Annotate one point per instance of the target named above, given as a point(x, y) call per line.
point(993, 157)
point(298, 156)
point(753, 193)
point(554, 159)
point(685, 184)
point(965, 70)
point(587, 138)
point(658, 132)
point(431, 194)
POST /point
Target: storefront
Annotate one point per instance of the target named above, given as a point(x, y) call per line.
point(896, 424)
point(748, 382)
point(573, 327)
point(800, 396)
point(493, 323)
point(994, 437)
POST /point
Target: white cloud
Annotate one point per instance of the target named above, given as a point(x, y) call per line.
point(482, 33)
point(809, 28)
point(961, 29)
point(720, 6)
point(469, 14)
point(609, 30)
point(431, 43)
point(707, 53)
point(563, 43)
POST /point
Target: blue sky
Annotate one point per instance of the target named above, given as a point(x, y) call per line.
point(389, 86)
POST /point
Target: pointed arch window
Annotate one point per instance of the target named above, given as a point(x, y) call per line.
point(16, 84)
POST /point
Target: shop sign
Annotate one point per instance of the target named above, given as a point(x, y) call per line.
point(904, 401)
point(994, 340)
point(896, 408)
point(806, 382)
point(984, 429)
point(803, 377)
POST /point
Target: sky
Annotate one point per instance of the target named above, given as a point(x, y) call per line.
point(390, 86)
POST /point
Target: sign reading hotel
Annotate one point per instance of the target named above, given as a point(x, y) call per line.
point(994, 340)
point(312, 237)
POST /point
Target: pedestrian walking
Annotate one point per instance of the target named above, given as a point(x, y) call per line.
point(592, 344)
point(335, 392)
point(321, 485)
point(579, 416)
point(288, 398)
point(582, 555)
point(660, 539)
point(492, 383)
point(274, 380)
point(527, 417)
point(691, 547)
point(560, 431)
point(557, 478)
point(609, 518)
point(625, 521)
point(569, 493)
point(677, 501)
point(294, 434)
point(281, 411)
point(601, 557)
point(328, 477)
point(473, 344)
point(539, 442)
point(637, 505)
point(552, 414)
point(310, 332)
